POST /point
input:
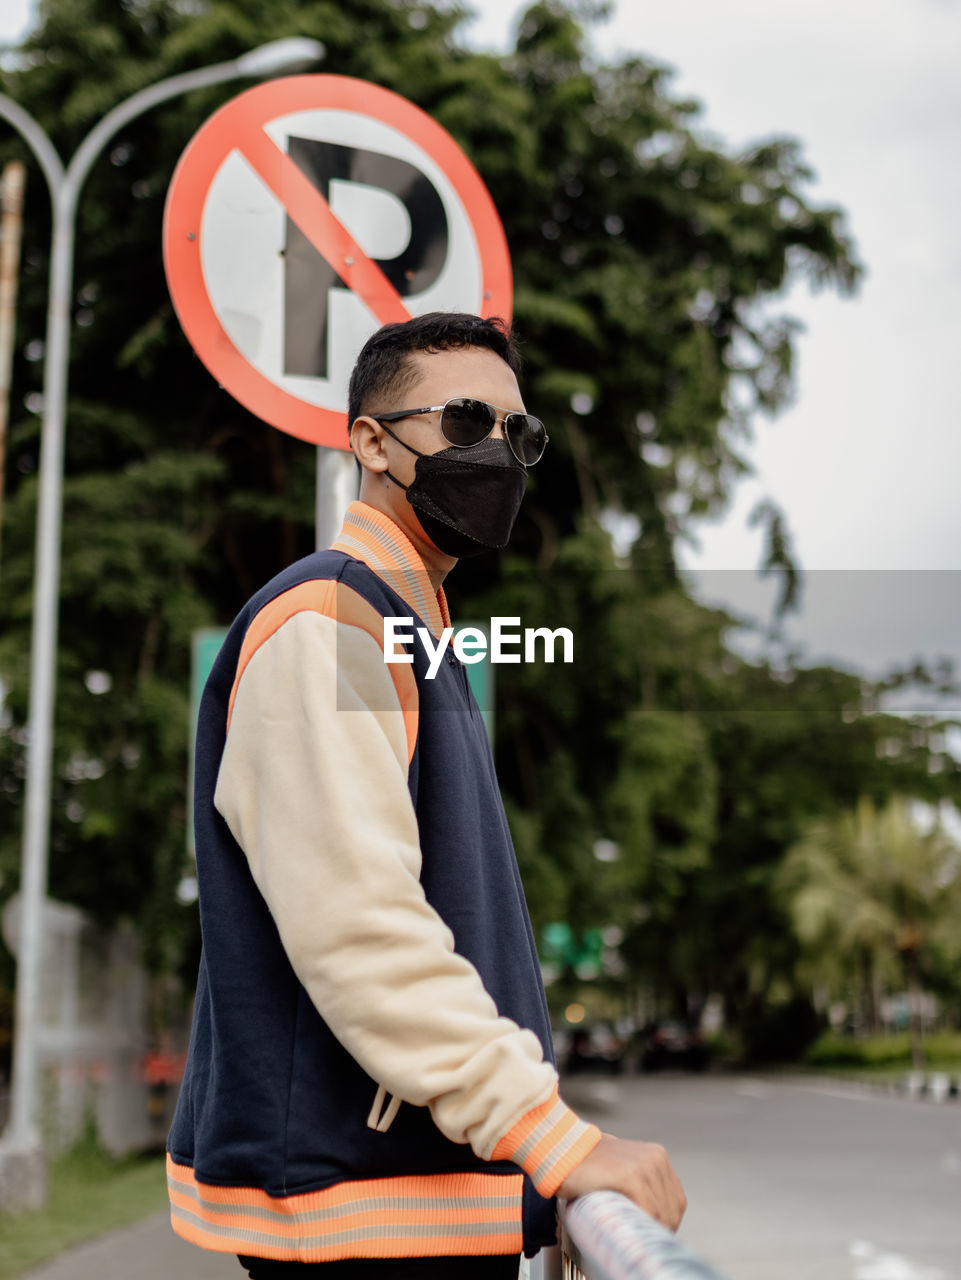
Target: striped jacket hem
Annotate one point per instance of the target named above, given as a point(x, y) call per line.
point(434, 1215)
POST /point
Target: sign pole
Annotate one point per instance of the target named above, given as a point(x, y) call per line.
point(337, 485)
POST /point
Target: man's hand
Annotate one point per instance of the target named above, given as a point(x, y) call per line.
point(639, 1170)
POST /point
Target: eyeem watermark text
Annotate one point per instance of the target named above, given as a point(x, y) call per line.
point(470, 644)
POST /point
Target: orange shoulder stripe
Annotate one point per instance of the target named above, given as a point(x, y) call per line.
point(411, 582)
point(343, 604)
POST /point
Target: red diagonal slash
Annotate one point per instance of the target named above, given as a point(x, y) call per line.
point(312, 214)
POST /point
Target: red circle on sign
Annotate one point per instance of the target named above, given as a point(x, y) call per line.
point(239, 124)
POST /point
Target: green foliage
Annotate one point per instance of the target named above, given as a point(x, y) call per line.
point(873, 900)
point(831, 1049)
point(868, 890)
point(695, 770)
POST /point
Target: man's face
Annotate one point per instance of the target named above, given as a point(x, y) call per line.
point(473, 372)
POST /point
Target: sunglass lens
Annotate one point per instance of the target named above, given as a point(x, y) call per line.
point(527, 437)
point(467, 422)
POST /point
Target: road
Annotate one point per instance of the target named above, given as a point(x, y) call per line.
point(788, 1178)
point(792, 1178)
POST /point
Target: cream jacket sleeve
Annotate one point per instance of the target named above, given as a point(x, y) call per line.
point(313, 785)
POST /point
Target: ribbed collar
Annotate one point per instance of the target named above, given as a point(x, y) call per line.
point(368, 535)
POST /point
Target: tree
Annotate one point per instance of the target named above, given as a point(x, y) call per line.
point(871, 895)
point(695, 769)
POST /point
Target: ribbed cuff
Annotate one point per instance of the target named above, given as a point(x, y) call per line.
point(548, 1143)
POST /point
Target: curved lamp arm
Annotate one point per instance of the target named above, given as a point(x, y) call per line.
point(269, 59)
point(36, 140)
point(295, 53)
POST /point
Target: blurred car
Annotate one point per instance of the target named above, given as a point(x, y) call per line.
point(596, 1048)
point(672, 1044)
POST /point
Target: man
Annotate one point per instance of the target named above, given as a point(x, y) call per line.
point(370, 1088)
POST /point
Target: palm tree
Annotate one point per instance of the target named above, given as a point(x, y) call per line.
point(873, 891)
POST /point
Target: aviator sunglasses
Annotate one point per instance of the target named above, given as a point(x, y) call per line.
point(466, 422)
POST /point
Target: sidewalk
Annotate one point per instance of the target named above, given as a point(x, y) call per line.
point(147, 1250)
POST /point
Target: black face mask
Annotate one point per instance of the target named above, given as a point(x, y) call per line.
point(466, 499)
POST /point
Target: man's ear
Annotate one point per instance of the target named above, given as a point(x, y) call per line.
point(367, 439)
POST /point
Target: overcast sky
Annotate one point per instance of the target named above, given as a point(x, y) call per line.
point(867, 462)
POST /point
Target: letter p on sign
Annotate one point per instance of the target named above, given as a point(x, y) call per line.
point(304, 214)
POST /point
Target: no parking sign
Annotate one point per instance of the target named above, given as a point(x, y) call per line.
point(304, 214)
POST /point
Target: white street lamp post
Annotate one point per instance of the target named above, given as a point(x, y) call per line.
point(21, 1159)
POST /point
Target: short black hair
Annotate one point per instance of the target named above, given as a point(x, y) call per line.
point(383, 369)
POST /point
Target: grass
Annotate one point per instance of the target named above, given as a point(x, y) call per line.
point(89, 1193)
point(885, 1057)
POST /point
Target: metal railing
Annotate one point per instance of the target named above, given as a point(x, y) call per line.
point(605, 1236)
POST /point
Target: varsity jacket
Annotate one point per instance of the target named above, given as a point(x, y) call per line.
point(370, 1071)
